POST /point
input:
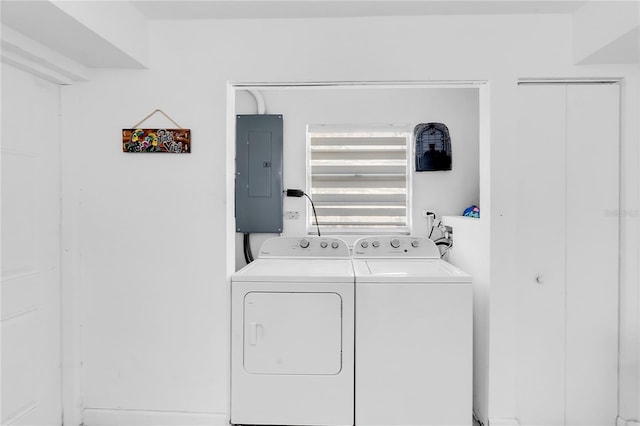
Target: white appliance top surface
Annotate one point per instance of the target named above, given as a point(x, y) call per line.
point(408, 271)
point(296, 270)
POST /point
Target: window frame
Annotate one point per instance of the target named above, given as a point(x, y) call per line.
point(407, 130)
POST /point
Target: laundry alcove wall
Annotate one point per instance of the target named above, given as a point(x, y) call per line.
point(445, 192)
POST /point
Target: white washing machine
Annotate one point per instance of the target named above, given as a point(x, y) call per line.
point(292, 335)
point(413, 335)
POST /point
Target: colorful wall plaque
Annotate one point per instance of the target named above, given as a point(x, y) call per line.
point(174, 141)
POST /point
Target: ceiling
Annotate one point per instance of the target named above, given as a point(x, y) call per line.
point(45, 23)
point(49, 24)
point(269, 9)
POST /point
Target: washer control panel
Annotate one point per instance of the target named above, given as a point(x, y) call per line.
point(310, 246)
point(396, 246)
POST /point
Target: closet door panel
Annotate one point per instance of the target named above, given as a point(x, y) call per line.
point(30, 258)
point(540, 253)
point(592, 253)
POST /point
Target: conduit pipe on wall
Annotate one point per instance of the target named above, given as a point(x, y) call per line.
point(248, 255)
point(262, 109)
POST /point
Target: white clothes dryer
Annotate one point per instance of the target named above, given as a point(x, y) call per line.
point(413, 335)
point(292, 335)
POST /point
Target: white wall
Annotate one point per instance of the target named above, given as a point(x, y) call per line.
point(151, 265)
point(152, 228)
point(445, 192)
point(470, 252)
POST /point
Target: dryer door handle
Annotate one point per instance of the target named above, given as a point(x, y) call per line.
point(255, 328)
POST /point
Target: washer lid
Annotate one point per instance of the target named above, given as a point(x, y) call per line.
point(408, 271)
point(296, 270)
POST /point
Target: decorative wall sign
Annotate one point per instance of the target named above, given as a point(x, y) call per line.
point(156, 140)
point(139, 139)
point(433, 147)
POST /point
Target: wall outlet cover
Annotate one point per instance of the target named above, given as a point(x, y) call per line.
point(292, 215)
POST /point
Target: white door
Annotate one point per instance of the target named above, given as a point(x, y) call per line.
point(292, 333)
point(31, 392)
point(567, 254)
point(541, 240)
point(593, 194)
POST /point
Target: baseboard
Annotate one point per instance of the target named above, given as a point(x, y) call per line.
point(503, 421)
point(622, 422)
point(119, 417)
point(514, 422)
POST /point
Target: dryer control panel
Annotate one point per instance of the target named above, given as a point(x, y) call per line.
point(397, 246)
point(310, 246)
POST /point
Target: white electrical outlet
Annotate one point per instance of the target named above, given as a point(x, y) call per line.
point(292, 215)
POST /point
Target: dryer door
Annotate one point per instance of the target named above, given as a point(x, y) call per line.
point(292, 333)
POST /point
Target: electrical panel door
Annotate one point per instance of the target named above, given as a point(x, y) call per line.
point(259, 173)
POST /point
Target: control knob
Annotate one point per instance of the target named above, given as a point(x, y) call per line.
point(415, 243)
point(376, 244)
point(304, 243)
point(364, 244)
point(395, 243)
point(334, 245)
point(323, 244)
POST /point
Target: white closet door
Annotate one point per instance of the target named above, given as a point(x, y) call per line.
point(30, 250)
point(567, 251)
point(541, 242)
point(592, 254)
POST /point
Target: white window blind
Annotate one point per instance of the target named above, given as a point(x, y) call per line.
point(358, 180)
